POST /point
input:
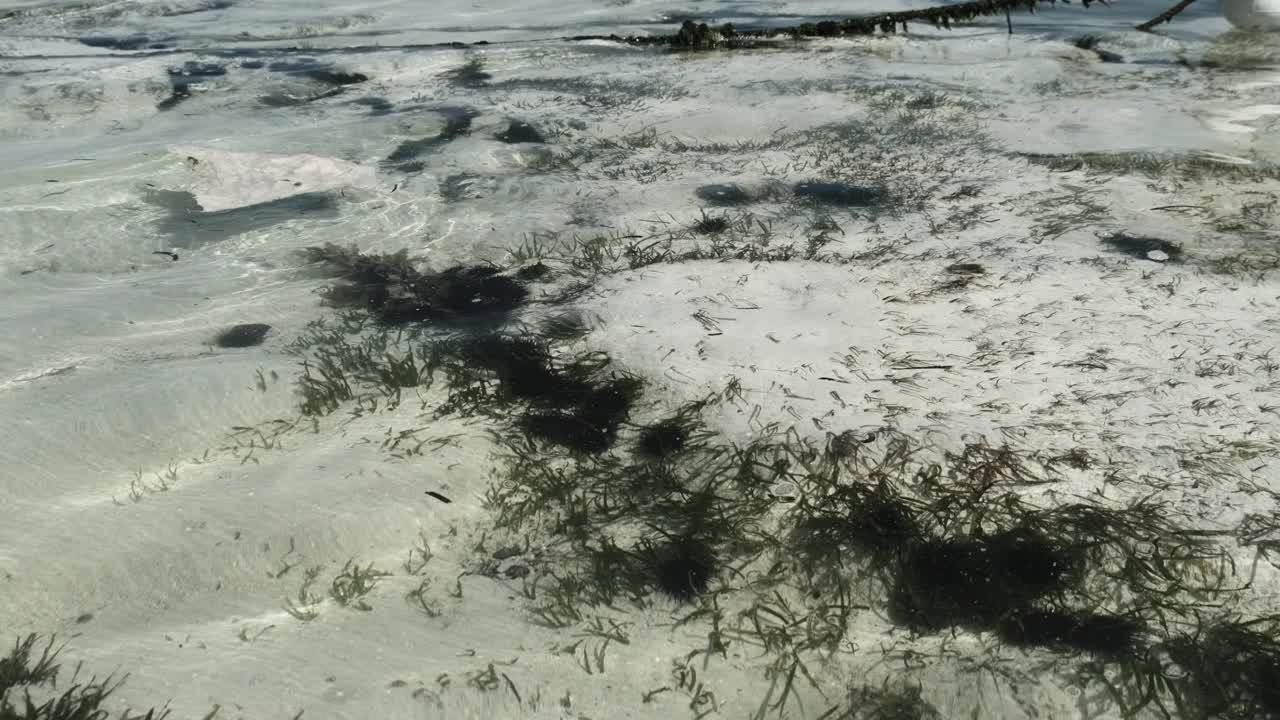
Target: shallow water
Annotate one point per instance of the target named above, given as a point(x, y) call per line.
point(163, 163)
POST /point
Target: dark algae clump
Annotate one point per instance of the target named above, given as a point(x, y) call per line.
point(711, 225)
point(838, 194)
point(586, 418)
point(520, 364)
point(867, 521)
point(336, 77)
point(683, 567)
point(663, 439)
point(461, 291)
point(1140, 246)
point(397, 293)
point(966, 269)
point(1227, 669)
point(243, 335)
point(533, 273)
point(576, 404)
point(519, 131)
point(1111, 636)
point(976, 581)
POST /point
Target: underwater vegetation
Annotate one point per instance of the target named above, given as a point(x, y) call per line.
point(663, 439)
point(577, 403)
point(1153, 165)
point(900, 702)
point(796, 536)
point(809, 192)
point(394, 291)
point(1108, 636)
point(711, 224)
point(30, 673)
point(975, 581)
point(694, 36)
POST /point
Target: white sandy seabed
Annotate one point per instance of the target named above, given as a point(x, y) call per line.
point(157, 540)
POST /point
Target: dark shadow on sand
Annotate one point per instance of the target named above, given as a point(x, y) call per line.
point(190, 226)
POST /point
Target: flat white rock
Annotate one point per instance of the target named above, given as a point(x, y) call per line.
point(222, 179)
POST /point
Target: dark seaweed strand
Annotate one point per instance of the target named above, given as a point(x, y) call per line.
point(1164, 17)
point(701, 36)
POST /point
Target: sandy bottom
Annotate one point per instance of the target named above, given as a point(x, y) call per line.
point(964, 240)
